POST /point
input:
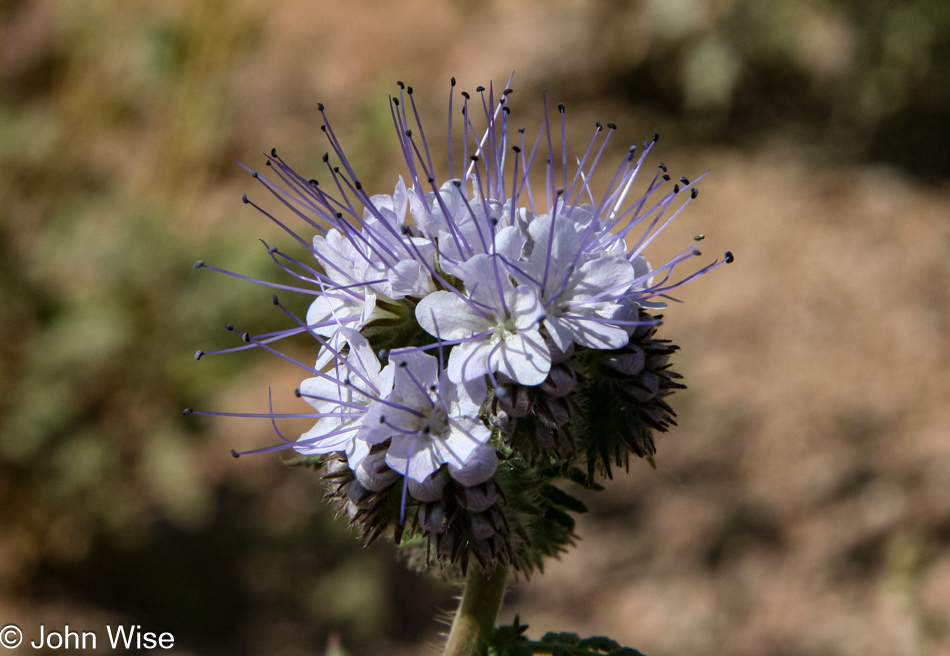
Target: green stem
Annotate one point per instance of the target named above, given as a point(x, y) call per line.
point(475, 620)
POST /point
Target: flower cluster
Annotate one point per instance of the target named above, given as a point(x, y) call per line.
point(481, 337)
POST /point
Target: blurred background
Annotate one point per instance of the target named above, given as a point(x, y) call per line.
point(801, 508)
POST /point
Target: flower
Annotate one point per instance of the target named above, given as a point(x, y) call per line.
point(536, 299)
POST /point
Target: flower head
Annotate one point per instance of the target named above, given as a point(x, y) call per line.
point(471, 327)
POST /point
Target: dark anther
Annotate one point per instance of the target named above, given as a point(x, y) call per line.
point(357, 185)
point(684, 180)
point(453, 81)
point(187, 411)
point(271, 250)
point(666, 177)
point(400, 85)
point(199, 264)
point(273, 152)
point(254, 175)
point(426, 429)
point(396, 102)
point(408, 133)
point(405, 230)
point(506, 109)
point(507, 91)
point(656, 137)
point(729, 257)
point(463, 111)
point(676, 189)
point(479, 89)
point(694, 192)
point(336, 169)
point(320, 107)
point(559, 192)
point(382, 419)
point(403, 364)
point(521, 131)
point(323, 128)
point(493, 221)
point(465, 95)
point(235, 454)
point(457, 183)
point(560, 107)
point(699, 237)
point(228, 326)
point(246, 337)
point(267, 163)
point(662, 167)
point(274, 300)
point(430, 180)
point(599, 126)
point(409, 90)
point(612, 126)
point(474, 158)
point(339, 215)
point(314, 182)
point(244, 199)
point(633, 149)
point(297, 392)
point(696, 252)
point(198, 354)
point(326, 157)
point(548, 159)
point(517, 149)
point(433, 387)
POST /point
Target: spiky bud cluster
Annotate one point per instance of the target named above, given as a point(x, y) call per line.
point(479, 339)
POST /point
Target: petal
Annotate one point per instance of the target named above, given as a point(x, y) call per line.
point(469, 361)
point(597, 335)
point(603, 278)
point(523, 357)
point(554, 248)
point(480, 466)
point(447, 316)
point(560, 333)
point(525, 307)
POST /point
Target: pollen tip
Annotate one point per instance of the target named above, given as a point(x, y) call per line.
point(561, 108)
point(694, 192)
point(699, 237)
point(320, 107)
point(382, 419)
point(235, 454)
point(244, 199)
point(465, 95)
point(255, 175)
point(426, 429)
point(479, 89)
point(599, 125)
point(313, 182)
point(297, 392)
point(666, 177)
point(474, 158)
point(409, 90)
point(274, 300)
point(612, 126)
point(457, 183)
point(696, 252)
point(326, 157)
point(730, 258)
point(187, 411)
point(382, 353)
point(656, 137)
point(506, 109)
point(323, 128)
point(408, 133)
point(273, 152)
point(559, 192)
point(507, 91)
point(403, 364)
point(336, 169)
point(271, 249)
point(684, 180)
point(517, 149)
point(430, 180)
point(228, 327)
point(199, 264)
point(676, 189)
point(521, 130)
point(400, 84)
point(198, 354)
point(453, 82)
point(267, 163)
point(358, 185)
point(246, 337)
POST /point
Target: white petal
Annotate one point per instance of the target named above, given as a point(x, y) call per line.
point(597, 335)
point(447, 316)
point(409, 278)
point(553, 252)
point(525, 307)
point(480, 466)
point(469, 361)
point(523, 357)
point(560, 333)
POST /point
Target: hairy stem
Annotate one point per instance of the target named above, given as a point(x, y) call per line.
point(475, 620)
